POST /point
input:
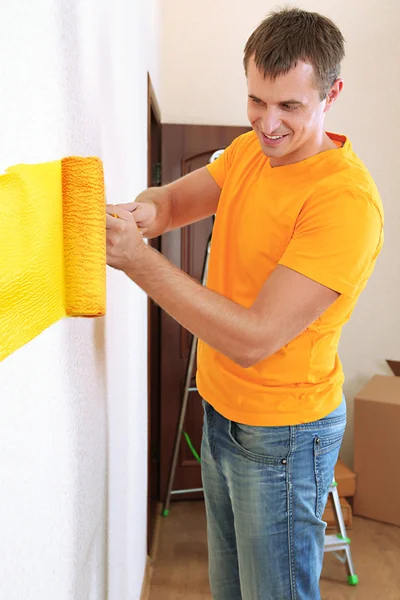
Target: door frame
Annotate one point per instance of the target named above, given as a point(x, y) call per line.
point(153, 333)
point(152, 106)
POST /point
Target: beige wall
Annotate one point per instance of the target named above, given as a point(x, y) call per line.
point(202, 82)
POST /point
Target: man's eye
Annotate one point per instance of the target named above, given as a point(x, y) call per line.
point(256, 100)
point(289, 107)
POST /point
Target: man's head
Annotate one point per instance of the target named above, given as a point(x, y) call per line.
point(292, 62)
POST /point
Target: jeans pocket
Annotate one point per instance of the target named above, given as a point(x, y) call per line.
point(266, 445)
point(326, 453)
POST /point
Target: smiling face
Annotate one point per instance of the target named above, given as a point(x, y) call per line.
point(287, 113)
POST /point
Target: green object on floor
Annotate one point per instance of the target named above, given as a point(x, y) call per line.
point(189, 443)
point(345, 539)
point(352, 579)
point(165, 512)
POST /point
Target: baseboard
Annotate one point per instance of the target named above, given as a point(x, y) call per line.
point(156, 534)
point(145, 595)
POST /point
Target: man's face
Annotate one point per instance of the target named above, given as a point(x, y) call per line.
point(287, 113)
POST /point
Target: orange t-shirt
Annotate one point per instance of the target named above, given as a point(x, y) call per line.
point(321, 217)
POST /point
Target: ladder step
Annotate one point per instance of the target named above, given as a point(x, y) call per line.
point(334, 544)
point(191, 491)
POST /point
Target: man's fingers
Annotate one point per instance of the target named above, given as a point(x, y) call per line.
point(110, 221)
point(116, 212)
point(129, 206)
point(138, 211)
point(115, 218)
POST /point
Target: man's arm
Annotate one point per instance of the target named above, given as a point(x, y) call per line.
point(287, 304)
point(188, 199)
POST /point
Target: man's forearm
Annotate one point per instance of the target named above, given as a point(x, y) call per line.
point(228, 327)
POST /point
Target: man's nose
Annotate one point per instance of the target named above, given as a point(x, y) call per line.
point(270, 121)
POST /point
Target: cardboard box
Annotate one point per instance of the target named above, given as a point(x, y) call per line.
point(346, 480)
point(377, 450)
point(329, 516)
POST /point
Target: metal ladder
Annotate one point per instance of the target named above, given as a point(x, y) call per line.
point(336, 543)
point(187, 389)
point(339, 542)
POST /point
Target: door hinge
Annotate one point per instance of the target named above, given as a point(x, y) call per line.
point(157, 173)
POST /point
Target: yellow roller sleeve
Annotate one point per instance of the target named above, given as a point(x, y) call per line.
point(52, 246)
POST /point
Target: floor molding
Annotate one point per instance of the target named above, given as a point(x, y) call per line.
point(145, 595)
point(156, 534)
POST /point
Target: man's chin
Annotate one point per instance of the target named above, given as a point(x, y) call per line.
point(273, 152)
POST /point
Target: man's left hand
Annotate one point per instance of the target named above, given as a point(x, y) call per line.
point(125, 243)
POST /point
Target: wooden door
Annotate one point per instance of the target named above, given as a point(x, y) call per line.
point(184, 149)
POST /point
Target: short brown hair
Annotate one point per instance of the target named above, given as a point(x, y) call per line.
point(291, 35)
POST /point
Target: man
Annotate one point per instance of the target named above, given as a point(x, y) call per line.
point(298, 228)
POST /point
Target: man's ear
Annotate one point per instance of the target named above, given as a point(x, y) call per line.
point(333, 94)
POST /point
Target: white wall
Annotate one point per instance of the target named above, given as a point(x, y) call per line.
point(202, 81)
point(73, 426)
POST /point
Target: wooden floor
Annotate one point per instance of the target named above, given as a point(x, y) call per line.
point(180, 566)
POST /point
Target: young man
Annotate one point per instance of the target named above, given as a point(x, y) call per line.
point(298, 229)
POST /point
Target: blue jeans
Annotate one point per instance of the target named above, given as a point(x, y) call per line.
point(265, 491)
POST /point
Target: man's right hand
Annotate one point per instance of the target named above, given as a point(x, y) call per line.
point(191, 198)
point(144, 214)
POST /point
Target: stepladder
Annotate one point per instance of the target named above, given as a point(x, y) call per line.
point(339, 542)
point(185, 397)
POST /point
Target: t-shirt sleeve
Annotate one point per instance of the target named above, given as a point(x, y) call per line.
point(336, 240)
point(220, 167)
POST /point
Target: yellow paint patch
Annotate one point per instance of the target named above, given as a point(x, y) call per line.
point(52, 247)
